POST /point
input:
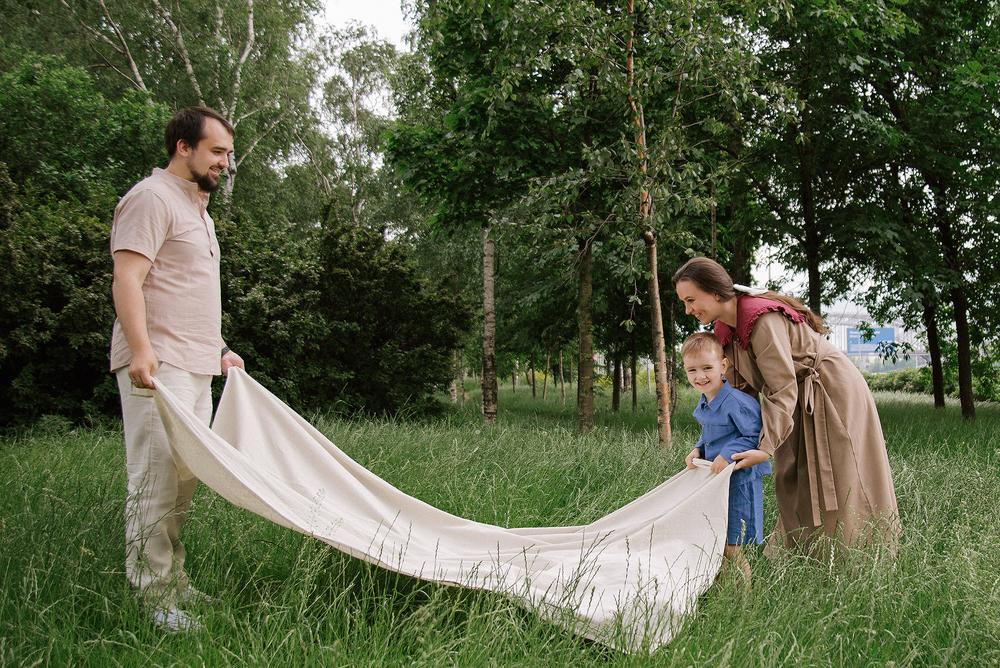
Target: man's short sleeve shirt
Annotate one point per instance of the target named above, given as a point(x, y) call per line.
point(164, 218)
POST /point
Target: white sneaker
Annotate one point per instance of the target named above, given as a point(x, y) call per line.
point(174, 620)
point(192, 596)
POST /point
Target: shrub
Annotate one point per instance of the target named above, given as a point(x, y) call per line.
point(56, 318)
point(918, 381)
point(337, 317)
point(68, 154)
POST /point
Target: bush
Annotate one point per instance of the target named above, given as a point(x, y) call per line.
point(56, 318)
point(903, 380)
point(68, 154)
point(64, 140)
point(918, 381)
point(338, 318)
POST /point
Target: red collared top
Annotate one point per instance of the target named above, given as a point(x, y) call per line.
point(748, 309)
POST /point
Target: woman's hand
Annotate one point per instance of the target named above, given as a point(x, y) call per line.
point(745, 460)
point(691, 456)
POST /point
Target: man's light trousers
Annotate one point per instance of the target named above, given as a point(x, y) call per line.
point(158, 494)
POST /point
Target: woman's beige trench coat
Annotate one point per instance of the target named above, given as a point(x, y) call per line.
point(831, 469)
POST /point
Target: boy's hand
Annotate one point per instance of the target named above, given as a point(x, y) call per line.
point(691, 456)
point(719, 464)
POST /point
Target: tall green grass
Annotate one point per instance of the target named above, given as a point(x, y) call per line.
point(289, 600)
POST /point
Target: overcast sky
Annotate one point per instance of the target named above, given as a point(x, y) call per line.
point(386, 16)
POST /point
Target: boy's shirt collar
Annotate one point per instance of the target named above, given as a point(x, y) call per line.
point(719, 399)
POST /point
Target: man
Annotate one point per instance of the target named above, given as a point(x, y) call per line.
point(169, 327)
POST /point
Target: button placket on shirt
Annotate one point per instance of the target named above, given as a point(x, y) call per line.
point(202, 214)
point(199, 200)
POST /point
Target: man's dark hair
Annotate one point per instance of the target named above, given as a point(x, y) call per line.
point(187, 124)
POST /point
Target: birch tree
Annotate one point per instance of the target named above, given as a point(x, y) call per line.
point(356, 108)
point(242, 57)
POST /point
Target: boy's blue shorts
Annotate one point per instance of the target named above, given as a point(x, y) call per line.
point(746, 512)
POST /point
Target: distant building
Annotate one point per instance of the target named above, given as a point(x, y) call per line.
point(845, 321)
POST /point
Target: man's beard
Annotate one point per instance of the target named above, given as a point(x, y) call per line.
point(205, 182)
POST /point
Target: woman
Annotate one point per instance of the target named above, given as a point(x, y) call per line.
point(831, 469)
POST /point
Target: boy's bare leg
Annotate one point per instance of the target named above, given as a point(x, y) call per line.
point(735, 559)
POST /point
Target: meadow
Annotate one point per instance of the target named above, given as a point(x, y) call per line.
point(287, 600)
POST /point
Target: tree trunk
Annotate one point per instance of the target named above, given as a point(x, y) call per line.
point(513, 378)
point(965, 396)
point(585, 376)
point(635, 378)
point(616, 385)
point(934, 349)
point(741, 258)
point(489, 382)
point(458, 378)
point(672, 361)
point(811, 231)
point(960, 304)
point(715, 230)
point(562, 381)
point(645, 221)
point(531, 368)
point(742, 246)
point(659, 354)
point(812, 271)
point(545, 378)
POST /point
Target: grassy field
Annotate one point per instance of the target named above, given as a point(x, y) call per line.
point(287, 600)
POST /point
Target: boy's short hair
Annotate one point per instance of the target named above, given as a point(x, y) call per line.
point(701, 342)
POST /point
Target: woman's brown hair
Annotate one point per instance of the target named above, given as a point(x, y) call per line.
point(710, 277)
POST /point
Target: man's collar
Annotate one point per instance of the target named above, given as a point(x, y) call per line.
point(189, 188)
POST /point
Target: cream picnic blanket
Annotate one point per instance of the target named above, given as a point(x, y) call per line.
point(625, 580)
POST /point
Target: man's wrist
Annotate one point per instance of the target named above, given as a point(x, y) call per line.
point(225, 349)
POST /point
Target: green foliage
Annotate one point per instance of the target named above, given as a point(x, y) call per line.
point(69, 153)
point(918, 381)
point(270, 294)
point(62, 139)
point(302, 301)
point(55, 321)
point(246, 59)
point(338, 319)
point(404, 328)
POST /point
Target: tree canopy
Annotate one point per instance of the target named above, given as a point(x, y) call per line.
point(548, 161)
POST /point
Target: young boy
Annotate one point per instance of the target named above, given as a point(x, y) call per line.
point(730, 423)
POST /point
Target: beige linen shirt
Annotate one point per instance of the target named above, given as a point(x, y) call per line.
point(163, 217)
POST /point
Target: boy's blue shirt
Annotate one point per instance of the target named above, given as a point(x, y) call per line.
point(730, 423)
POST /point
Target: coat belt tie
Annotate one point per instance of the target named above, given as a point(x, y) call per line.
point(814, 402)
